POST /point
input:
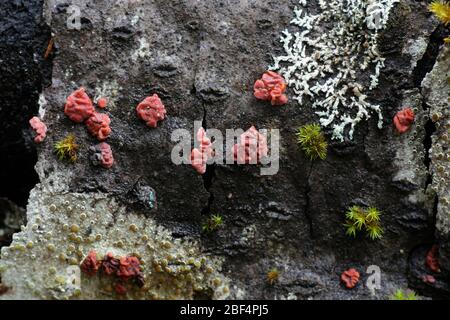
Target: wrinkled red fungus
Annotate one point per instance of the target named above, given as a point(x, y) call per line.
point(120, 289)
point(130, 267)
point(79, 106)
point(98, 125)
point(271, 87)
point(151, 110)
point(431, 260)
point(350, 278)
point(252, 147)
point(428, 279)
point(90, 264)
point(40, 128)
point(110, 264)
point(102, 103)
point(403, 120)
point(102, 155)
point(199, 156)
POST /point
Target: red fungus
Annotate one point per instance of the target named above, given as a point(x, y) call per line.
point(79, 106)
point(90, 264)
point(428, 279)
point(271, 87)
point(120, 289)
point(102, 155)
point(199, 156)
point(151, 110)
point(350, 278)
point(252, 147)
point(102, 103)
point(110, 264)
point(98, 125)
point(431, 260)
point(130, 267)
point(403, 120)
point(40, 128)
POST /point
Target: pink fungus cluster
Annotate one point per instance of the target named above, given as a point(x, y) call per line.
point(403, 120)
point(79, 108)
point(350, 278)
point(102, 155)
point(431, 260)
point(124, 269)
point(151, 110)
point(200, 156)
point(271, 87)
point(40, 128)
point(251, 148)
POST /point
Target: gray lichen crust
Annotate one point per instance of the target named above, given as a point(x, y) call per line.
point(63, 228)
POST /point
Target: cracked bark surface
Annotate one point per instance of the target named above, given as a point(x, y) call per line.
point(202, 59)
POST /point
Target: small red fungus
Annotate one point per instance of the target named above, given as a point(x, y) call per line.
point(403, 120)
point(252, 147)
point(40, 128)
point(90, 264)
point(102, 103)
point(79, 106)
point(271, 87)
point(120, 288)
point(110, 264)
point(98, 125)
point(130, 267)
point(151, 110)
point(428, 279)
point(350, 278)
point(431, 260)
point(102, 155)
point(199, 156)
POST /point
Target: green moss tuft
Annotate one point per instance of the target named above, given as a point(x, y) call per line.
point(66, 149)
point(213, 223)
point(404, 295)
point(312, 141)
point(358, 219)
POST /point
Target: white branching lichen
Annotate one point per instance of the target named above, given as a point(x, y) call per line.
point(333, 58)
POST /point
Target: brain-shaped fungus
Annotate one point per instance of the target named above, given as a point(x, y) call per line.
point(403, 120)
point(79, 106)
point(271, 87)
point(151, 110)
point(350, 278)
point(431, 259)
point(98, 125)
point(40, 128)
point(102, 155)
point(199, 156)
point(252, 147)
point(90, 264)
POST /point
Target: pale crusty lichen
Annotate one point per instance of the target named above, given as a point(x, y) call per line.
point(329, 56)
point(63, 228)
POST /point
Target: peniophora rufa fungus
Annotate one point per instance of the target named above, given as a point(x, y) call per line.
point(251, 148)
point(98, 125)
point(102, 103)
point(431, 259)
point(403, 120)
point(110, 264)
point(200, 156)
point(151, 110)
point(79, 106)
point(40, 128)
point(102, 155)
point(90, 264)
point(271, 87)
point(129, 267)
point(350, 278)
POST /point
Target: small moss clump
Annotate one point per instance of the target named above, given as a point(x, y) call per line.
point(213, 223)
point(66, 149)
point(367, 219)
point(312, 140)
point(441, 10)
point(404, 295)
point(273, 276)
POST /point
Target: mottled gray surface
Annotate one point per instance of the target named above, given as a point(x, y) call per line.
point(202, 58)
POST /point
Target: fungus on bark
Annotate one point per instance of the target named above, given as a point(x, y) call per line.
point(403, 120)
point(90, 264)
point(98, 125)
point(102, 155)
point(251, 148)
point(151, 110)
point(40, 128)
point(79, 106)
point(200, 156)
point(350, 278)
point(271, 87)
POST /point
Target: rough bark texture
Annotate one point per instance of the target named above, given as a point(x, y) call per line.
point(202, 58)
